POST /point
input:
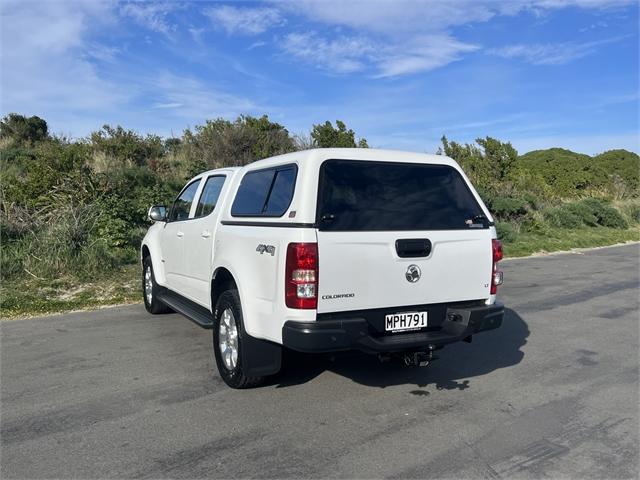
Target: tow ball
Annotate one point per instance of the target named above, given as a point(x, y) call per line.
point(419, 359)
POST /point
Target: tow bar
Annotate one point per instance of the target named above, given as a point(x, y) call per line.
point(419, 359)
point(411, 359)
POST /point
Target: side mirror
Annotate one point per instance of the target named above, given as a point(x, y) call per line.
point(158, 213)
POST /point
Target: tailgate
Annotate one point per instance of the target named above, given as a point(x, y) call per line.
point(363, 270)
point(396, 234)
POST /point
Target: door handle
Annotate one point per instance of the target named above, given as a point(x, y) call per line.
point(180, 234)
point(206, 234)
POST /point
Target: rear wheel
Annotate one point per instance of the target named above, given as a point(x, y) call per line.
point(150, 289)
point(228, 341)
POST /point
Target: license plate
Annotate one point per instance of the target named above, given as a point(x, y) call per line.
point(399, 322)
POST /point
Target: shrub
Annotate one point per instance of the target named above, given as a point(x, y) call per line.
point(506, 232)
point(535, 222)
point(507, 208)
point(67, 245)
point(632, 211)
point(583, 212)
point(531, 200)
point(562, 217)
point(605, 214)
point(589, 211)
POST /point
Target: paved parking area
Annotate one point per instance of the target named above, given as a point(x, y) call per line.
point(553, 393)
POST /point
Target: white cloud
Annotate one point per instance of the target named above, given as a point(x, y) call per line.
point(422, 54)
point(150, 15)
point(408, 36)
point(348, 54)
point(342, 54)
point(395, 18)
point(413, 16)
point(167, 105)
point(45, 58)
point(256, 45)
point(53, 64)
point(552, 53)
point(592, 4)
point(244, 20)
point(195, 100)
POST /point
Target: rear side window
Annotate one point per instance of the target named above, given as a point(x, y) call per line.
point(384, 196)
point(209, 196)
point(265, 193)
point(281, 193)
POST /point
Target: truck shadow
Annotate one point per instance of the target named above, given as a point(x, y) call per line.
point(457, 363)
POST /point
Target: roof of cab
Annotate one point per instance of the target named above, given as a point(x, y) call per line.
point(314, 157)
point(318, 155)
point(217, 170)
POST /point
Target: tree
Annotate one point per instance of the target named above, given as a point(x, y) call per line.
point(486, 163)
point(500, 157)
point(127, 145)
point(326, 136)
point(223, 143)
point(22, 129)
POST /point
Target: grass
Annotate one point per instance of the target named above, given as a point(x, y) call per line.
point(564, 239)
point(28, 297)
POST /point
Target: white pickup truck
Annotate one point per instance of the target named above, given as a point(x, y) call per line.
point(386, 252)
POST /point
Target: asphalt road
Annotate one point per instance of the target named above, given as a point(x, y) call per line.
point(552, 393)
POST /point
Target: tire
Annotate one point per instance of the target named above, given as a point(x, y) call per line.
point(150, 289)
point(228, 336)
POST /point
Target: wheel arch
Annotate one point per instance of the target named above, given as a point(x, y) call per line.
point(224, 275)
point(151, 249)
point(221, 279)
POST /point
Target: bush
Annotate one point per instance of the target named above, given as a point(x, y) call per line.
point(507, 208)
point(66, 245)
point(605, 214)
point(535, 222)
point(591, 212)
point(583, 212)
point(562, 217)
point(506, 232)
point(632, 212)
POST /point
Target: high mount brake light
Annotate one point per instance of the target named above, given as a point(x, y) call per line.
point(496, 275)
point(301, 276)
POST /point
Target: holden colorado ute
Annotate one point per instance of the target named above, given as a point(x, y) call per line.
point(326, 250)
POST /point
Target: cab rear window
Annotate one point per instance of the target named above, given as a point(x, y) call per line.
point(386, 196)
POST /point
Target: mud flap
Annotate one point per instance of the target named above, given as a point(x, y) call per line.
point(260, 358)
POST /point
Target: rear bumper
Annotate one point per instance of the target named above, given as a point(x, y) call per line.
point(353, 333)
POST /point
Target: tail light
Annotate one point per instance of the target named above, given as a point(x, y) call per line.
point(496, 275)
point(301, 275)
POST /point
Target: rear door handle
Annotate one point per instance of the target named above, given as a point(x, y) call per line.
point(206, 234)
point(180, 234)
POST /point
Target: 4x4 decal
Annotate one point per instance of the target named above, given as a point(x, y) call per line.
point(266, 248)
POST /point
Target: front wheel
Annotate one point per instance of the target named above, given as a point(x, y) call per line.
point(228, 341)
point(150, 289)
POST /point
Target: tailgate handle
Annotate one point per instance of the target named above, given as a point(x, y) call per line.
point(413, 247)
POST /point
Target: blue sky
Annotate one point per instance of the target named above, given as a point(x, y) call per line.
point(538, 73)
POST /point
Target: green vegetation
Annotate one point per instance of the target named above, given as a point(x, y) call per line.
point(326, 136)
point(28, 296)
point(73, 212)
point(555, 199)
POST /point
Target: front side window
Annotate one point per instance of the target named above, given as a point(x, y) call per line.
point(387, 196)
point(209, 196)
point(182, 205)
point(265, 193)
